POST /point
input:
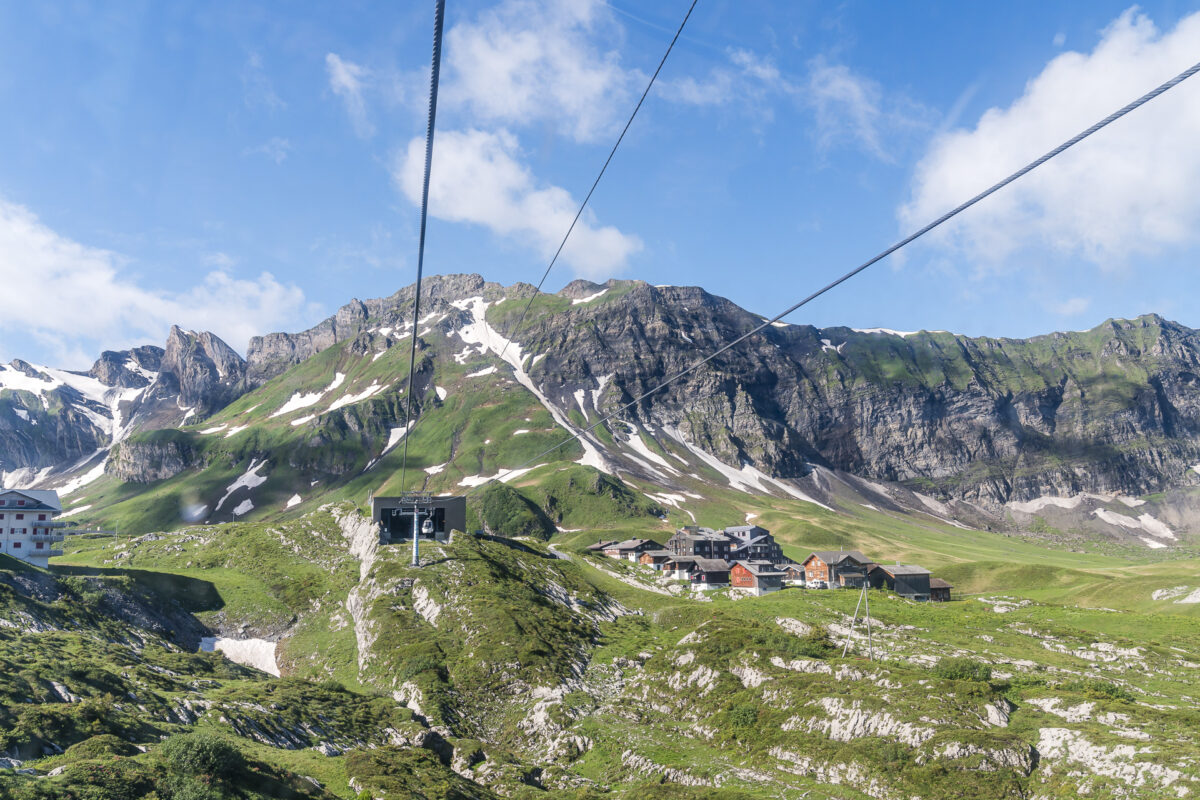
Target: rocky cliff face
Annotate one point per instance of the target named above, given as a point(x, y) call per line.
point(57, 424)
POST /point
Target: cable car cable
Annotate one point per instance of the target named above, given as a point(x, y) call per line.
point(439, 14)
point(521, 320)
point(1074, 140)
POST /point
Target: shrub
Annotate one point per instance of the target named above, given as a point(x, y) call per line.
point(1099, 690)
point(202, 755)
point(963, 669)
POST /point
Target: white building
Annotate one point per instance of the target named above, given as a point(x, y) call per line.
point(27, 527)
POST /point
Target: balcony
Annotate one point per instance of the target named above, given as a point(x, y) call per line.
point(48, 538)
point(52, 552)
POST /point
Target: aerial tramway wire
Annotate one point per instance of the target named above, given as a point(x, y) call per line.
point(521, 320)
point(1074, 140)
point(439, 14)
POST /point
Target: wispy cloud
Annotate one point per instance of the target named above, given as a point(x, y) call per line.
point(478, 178)
point(346, 81)
point(1071, 307)
point(37, 261)
point(257, 89)
point(1129, 190)
point(276, 149)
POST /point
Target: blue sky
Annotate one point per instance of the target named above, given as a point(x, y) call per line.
point(232, 167)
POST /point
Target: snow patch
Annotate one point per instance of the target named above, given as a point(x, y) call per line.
point(436, 468)
point(215, 429)
point(482, 372)
point(395, 436)
point(1145, 523)
point(244, 507)
point(441, 393)
point(74, 511)
point(886, 331)
point(234, 431)
point(75, 484)
point(581, 300)
point(257, 653)
point(351, 399)
point(504, 476)
point(747, 479)
point(294, 501)
point(298, 422)
point(248, 480)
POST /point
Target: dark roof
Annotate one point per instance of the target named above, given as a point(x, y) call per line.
point(603, 543)
point(903, 569)
point(711, 564)
point(838, 556)
point(938, 583)
point(44, 497)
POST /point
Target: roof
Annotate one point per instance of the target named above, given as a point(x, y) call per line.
point(703, 535)
point(45, 497)
point(658, 553)
point(711, 564)
point(759, 568)
point(938, 583)
point(630, 544)
point(837, 556)
point(603, 543)
point(903, 569)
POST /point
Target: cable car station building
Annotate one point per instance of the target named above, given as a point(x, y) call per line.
point(395, 516)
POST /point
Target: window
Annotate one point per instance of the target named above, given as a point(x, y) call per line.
point(16, 545)
point(37, 545)
point(20, 516)
point(20, 502)
point(41, 517)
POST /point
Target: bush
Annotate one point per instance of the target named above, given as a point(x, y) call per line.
point(963, 669)
point(1099, 690)
point(103, 745)
point(202, 755)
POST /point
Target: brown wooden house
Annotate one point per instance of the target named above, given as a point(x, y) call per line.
point(756, 578)
point(939, 590)
point(655, 558)
point(822, 567)
point(631, 549)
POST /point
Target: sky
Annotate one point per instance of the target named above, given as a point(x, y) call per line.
point(248, 167)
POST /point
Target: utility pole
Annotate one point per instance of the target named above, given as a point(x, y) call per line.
point(870, 640)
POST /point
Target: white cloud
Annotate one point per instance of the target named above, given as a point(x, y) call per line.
point(539, 61)
point(478, 178)
point(346, 81)
point(88, 302)
point(1071, 307)
point(1128, 190)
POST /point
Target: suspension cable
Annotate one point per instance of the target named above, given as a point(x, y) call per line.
point(1113, 117)
point(512, 334)
point(439, 14)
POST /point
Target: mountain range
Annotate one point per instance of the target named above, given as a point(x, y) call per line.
point(1092, 434)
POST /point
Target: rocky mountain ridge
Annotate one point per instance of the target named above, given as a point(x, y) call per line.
point(981, 427)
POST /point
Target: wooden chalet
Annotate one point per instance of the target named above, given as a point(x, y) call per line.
point(655, 558)
point(756, 578)
point(601, 545)
point(824, 566)
point(793, 573)
point(679, 568)
point(709, 573)
point(907, 580)
point(631, 549)
point(939, 590)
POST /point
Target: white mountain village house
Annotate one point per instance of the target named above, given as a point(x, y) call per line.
point(27, 523)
